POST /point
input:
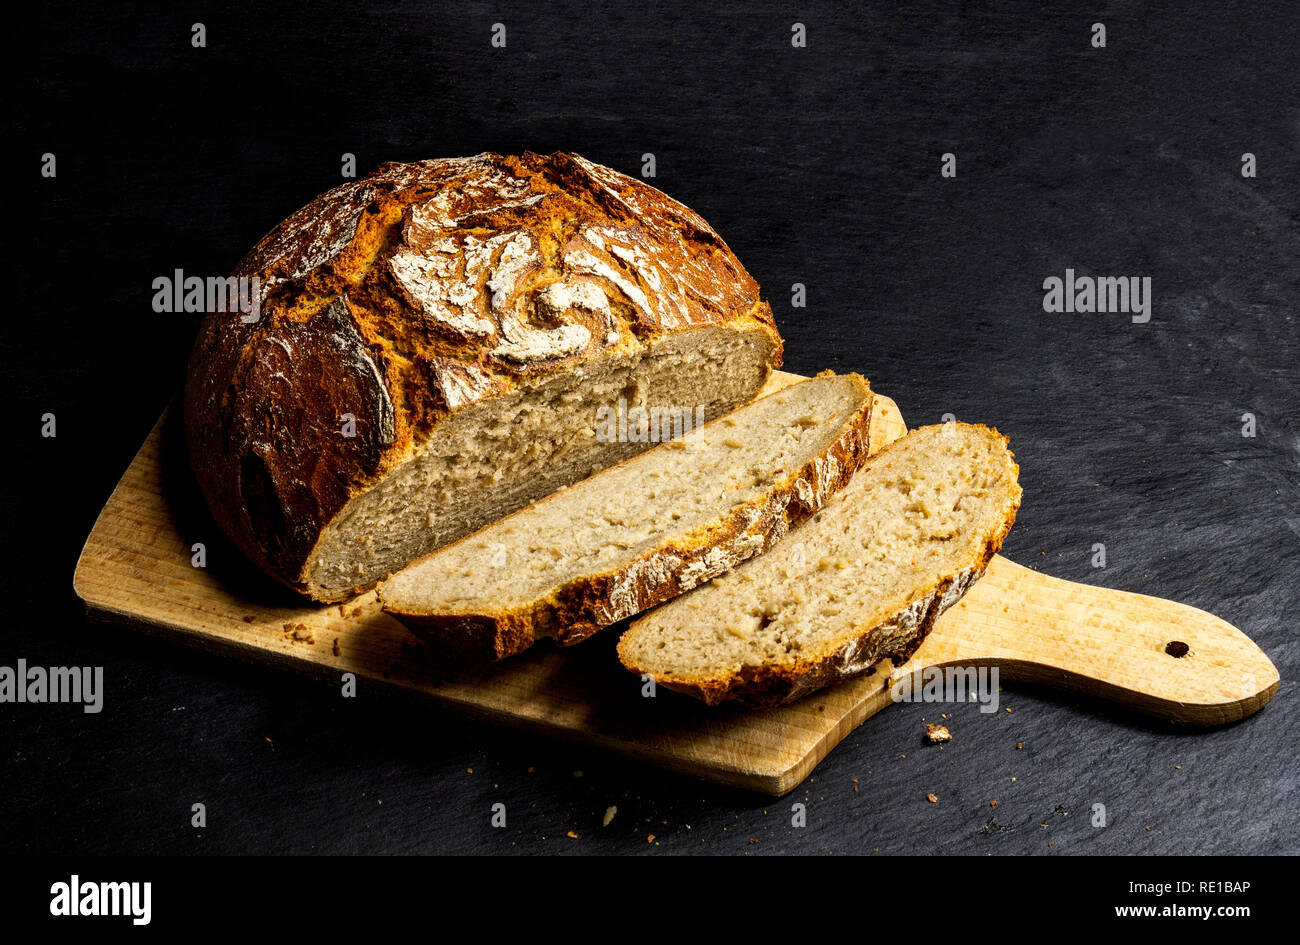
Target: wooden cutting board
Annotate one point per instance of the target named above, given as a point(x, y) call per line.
point(136, 568)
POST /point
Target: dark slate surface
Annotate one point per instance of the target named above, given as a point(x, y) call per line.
point(818, 165)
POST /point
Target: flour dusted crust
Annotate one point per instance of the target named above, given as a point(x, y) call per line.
point(407, 295)
point(586, 604)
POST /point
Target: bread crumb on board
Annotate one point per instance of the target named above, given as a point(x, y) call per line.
point(299, 633)
point(932, 798)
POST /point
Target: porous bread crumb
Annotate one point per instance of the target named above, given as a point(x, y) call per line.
point(299, 633)
point(935, 734)
point(590, 556)
point(903, 540)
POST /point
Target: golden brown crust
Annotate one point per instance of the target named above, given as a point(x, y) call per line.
point(589, 603)
point(896, 639)
point(403, 296)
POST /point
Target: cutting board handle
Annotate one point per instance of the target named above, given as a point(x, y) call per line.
point(1154, 656)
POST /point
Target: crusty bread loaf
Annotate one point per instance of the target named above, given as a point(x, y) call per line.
point(862, 580)
point(644, 531)
point(434, 344)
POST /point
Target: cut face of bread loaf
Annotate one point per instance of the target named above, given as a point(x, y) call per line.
point(641, 532)
point(491, 458)
point(432, 346)
point(862, 580)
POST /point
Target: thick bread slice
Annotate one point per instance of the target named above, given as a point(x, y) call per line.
point(862, 580)
point(642, 532)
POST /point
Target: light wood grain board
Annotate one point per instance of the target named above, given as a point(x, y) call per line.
point(136, 568)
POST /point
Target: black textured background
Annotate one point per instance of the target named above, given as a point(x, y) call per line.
point(817, 165)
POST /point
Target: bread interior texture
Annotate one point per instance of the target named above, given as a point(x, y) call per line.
point(613, 520)
point(489, 459)
point(923, 510)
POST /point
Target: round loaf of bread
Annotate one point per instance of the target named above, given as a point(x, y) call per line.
point(434, 347)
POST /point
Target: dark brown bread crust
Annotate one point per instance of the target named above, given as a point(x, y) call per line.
point(403, 296)
point(590, 603)
point(897, 639)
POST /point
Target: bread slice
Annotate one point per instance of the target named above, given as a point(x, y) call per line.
point(639, 533)
point(862, 580)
